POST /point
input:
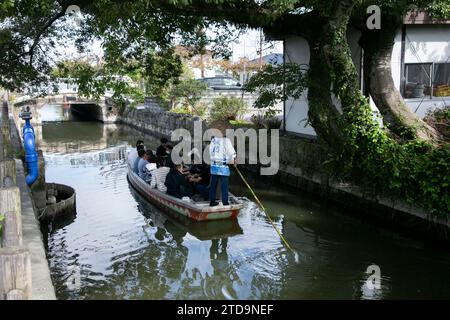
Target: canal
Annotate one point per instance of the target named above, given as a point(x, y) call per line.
point(118, 246)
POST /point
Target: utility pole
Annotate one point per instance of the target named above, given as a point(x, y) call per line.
point(260, 48)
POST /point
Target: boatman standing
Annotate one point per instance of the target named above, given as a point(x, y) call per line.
point(221, 153)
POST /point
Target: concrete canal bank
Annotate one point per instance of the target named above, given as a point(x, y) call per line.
point(24, 270)
point(301, 167)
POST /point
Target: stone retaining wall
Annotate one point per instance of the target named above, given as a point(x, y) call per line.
point(24, 268)
point(156, 121)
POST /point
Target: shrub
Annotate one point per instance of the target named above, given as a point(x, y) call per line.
point(258, 120)
point(227, 108)
point(266, 121)
point(2, 217)
point(199, 109)
point(187, 93)
point(439, 119)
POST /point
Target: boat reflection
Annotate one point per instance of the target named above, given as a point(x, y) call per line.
point(179, 225)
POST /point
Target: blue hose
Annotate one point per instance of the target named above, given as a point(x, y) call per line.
point(31, 156)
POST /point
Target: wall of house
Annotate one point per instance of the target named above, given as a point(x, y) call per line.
point(296, 110)
point(423, 43)
point(208, 72)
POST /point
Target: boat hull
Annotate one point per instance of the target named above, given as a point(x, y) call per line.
point(174, 205)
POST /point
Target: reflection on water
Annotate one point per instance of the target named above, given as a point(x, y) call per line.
point(53, 113)
point(124, 248)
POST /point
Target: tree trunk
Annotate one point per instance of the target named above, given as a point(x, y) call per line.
point(332, 70)
point(322, 113)
point(397, 116)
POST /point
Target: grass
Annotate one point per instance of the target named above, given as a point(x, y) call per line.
point(241, 124)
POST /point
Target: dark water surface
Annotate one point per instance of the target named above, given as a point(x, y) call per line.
point(118, 246)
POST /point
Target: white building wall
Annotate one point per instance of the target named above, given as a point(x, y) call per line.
point(396, 60)
point(198, 73)
point(297, 51)
point(423, 43)
point(431, 43)
point(296, 110)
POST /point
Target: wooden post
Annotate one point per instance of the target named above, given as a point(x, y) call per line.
point(15, 263)
point(15, 294)
point(10, 205)
point(15, 273)
point(8, 176)
point(4, 128)
point(11, 232)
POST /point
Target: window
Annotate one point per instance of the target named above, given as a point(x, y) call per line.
point(418, 80)
point(441, 79)
point(431, 79)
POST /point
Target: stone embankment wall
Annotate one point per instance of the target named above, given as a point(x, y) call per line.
point(301, 167)
point(156, 121)
point(24, 270)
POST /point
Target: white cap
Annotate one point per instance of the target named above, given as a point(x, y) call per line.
point(150, 166)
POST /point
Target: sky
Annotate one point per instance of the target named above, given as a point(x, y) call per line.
point(247, 45)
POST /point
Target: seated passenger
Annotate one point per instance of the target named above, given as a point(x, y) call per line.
point(169, 161)
point(176, 183)
point(200, 180)
point(143, 162)
point(162, 151)
point(133, 154)
point(159, 175)
point(149, 169)
point(141, 153)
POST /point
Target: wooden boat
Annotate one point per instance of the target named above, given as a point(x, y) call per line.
point(198, 211)
point(178, 225)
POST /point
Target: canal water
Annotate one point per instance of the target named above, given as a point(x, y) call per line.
point(118, 246)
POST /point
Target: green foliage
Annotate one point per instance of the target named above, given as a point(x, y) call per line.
point(2, 217)
point(440, 120)
point(199, 109)
point(94, 80)
point(268, 84)
point(415, 171)
point(266, 120)
point(180, 91)
point(187, 93)
point(162, 70)
point(227, 108)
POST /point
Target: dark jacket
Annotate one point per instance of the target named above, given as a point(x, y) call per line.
point(161, 151)
point(177, 185)
point(203, 170)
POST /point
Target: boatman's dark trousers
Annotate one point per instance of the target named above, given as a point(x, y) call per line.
point(223, 186)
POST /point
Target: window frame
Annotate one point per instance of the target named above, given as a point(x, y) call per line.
point(431, 83)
